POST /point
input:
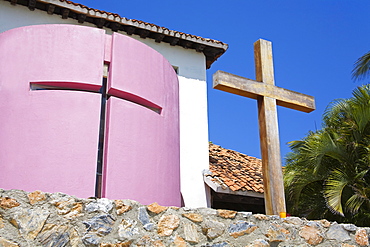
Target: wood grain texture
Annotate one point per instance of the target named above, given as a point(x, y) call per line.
point(269, 130)
point(264, 64)
point(267, 96)
point(253, 89)
point(271, 158)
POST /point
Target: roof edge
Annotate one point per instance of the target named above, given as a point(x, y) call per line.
point(226, 190)
point(212, 49)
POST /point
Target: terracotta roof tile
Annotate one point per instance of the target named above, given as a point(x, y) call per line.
point(238, 171)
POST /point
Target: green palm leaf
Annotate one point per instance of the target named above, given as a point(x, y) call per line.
point(362, 67)
point(334, 187)
point(327, 174)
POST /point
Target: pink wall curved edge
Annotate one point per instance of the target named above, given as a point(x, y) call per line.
point(150, 140)
point(49, 138)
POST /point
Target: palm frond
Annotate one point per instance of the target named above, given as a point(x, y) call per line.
point(354, 203)
point(335, 112)
point(327, 173)
point(333, 190)
point(361, 95)
point(362, 67)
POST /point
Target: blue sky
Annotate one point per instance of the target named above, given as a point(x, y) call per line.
point(315, 44)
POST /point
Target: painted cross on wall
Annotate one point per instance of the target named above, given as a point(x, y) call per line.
point(50, 138)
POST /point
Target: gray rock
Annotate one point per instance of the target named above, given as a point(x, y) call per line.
point(290, 245)
point(100, 224)
point(312, 234)
point(240, 228)
point(245, 214)
point(349, 227)
point(102, 204)
point(274, 217)
point(293, 220)
point(58, 241)
point(97, 227)
point(167, 224)
point(187, 209)
point(91, 239)
point(67, 206)
point(221, 244)
point(149, 227)
point(207, 211)
point(127, 230)
point(143, 216)
point(191, 233)
point(30, 222)
point(277, 233)
point(74, 238)
point(5, 242)
point(314, 224)
point(60, 196)
point(213, 229)
point(260, 243)
point(54, 235)
point(337, 232)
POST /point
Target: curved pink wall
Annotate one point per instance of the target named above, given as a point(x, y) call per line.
point(152, 145)
point(49, 138)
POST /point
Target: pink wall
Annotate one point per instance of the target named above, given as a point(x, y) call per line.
point(152, 148)
point(49, 138)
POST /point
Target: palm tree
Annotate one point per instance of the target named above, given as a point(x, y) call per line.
point(362, 67)
point(328, 172)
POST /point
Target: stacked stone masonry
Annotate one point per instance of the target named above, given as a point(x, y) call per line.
point(44, 219)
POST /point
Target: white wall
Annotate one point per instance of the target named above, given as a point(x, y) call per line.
point(193, 140)
point(193, 97)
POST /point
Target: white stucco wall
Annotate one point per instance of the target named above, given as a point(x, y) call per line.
point(193, 97)
point(193, 140)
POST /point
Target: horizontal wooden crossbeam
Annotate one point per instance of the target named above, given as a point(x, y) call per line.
point(252, 89)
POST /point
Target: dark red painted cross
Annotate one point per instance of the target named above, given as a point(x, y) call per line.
point(102, 89)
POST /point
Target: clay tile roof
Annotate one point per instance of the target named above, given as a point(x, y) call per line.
point(239, 172)
point(211, 48)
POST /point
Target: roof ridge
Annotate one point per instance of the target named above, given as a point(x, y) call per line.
point(210, 143)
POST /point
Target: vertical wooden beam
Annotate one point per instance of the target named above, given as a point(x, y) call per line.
point(174, 41)
point(264, 62)
point(115, 26)
point(130, 30)
point(269, 132)
point(99, 22)
point(199, 48)
point(50, 9)
point(186, 44)
point(32, 4)
point(65, 13)
point(159, 37)
point(143, 33)
point(81, 18)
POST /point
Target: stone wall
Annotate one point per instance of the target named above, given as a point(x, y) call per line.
point(43, 219)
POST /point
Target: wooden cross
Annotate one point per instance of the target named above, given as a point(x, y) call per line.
point(267, 95)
